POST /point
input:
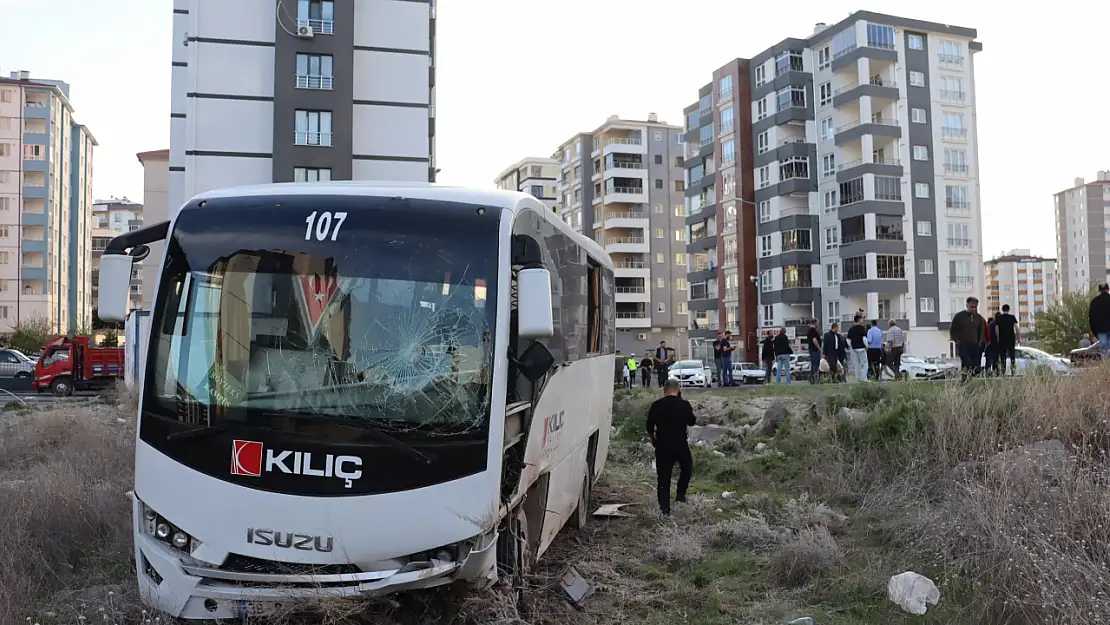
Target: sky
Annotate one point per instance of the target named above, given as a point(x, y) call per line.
point(516, 78)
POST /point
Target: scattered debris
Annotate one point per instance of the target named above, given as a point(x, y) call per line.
point(576, 587)
point(912, 591)
point(805, 620)
point(760, 448)
point(727, 494)
point(614, 510)
point(848, 414)
point(707, 434)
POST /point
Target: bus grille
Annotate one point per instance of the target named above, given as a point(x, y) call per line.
point(246, 564)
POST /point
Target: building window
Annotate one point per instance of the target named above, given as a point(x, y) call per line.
point(825, 94)
point(661, 307)
point(764, 211)
point(314, 71)
point(658, 159)
point(760, 75)
point(680, 259)
point(925, 266)
point(725, 90)
point(658, 183)
point(728, 152)
point(679, 185)
point(680, 235)
point(659, 283)
point(768, 315)
point(765, 246)
point(794, 167)
point(680, 284)
point(828, 130)
point(657, 135)
point(760, 109)
point(682, 310)
point(762, 142)
point(5, 95)
point(311, 174)
point(660, 233)
point(679, 210)
point(789, 62)
point(659, 209)
point(764, 176)
point(834, 311)
point(313, 128)
point(765, 283)
point(317, 14)
point(921, 189)
point(659, 258)
point(924, 228)
point(832, 238)
point(678, 161)
point(829, 201)
point(916, 42)
point(828, 165)
point(917, 79)
point(918, 116)
point(792, 97)
point(823, 58)
point(793, 240)
point(927, 305)
point(891, 267)
point(728, 118)
point(920, 152)
point(832, 274)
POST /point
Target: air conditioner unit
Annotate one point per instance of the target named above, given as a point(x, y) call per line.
point(642, 336)
point(304, 31)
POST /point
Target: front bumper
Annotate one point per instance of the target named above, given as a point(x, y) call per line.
point(193, 590)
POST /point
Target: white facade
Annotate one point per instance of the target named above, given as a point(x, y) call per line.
point(236, 88)
point(534, 175)
point(1025, 282)
point(1083, 234)
point(156, 180)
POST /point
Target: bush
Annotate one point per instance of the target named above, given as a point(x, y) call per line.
point(31, 334)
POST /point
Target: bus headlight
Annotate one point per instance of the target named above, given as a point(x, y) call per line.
point(158, 527)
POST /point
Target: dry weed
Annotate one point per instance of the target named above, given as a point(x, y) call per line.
point(804, 555)
point(749, 530)
point(679, 545)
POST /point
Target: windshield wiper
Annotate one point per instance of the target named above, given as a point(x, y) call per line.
point(366, 426)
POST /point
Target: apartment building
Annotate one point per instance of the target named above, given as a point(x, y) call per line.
point(1082, 232)
point(156, 182)
point(45, 203)
point(111, 218)
point(623, 185)
point(721, 226)
point(535, 176)
point(303, 90)
point(866, 175)
point(1024, 281)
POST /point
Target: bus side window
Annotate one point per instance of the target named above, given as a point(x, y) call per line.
point(593, 307)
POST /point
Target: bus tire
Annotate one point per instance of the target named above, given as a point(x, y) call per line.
point(585, 501)
point(61, 387)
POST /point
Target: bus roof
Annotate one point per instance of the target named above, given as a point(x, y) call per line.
point(513, 201)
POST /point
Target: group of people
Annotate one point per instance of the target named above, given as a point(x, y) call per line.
point(862, 352)
point(976, 337)
point(658, 362)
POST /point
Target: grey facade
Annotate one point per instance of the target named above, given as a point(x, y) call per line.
point(925, 247)
point(1081, 241)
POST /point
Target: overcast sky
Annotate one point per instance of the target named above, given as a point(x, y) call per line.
point(517, 77)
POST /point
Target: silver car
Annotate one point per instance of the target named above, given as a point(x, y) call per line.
point(14, 364)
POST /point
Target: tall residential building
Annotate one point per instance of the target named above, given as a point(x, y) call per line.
point(1082, 232)
point(111, 218)
point(623, 185)
point(533, 175)
point(301, 90)
point(1024, 281)
point(45, 204)
point(156, 181)
point(721, 224)
point(866, 176)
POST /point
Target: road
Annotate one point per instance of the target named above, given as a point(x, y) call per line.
point(21, 388)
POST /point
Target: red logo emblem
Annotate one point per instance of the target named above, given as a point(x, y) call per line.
point(246, 458)
point(318, 291)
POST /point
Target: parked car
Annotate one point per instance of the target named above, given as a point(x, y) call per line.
point(691, 373)
point(914, 368)
point(747, 373)
point(1029, 359)
point(1086, 356)
point(14, 363)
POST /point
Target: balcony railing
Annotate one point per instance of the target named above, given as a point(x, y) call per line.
point(623, 240)
point(856, 163)
point(789, 140)
point(629, 215)
point(958, 242)
point(303, 137)
point(621, 165)
point(952, 96)
point(35, 103)
point(874, 83)
point(951, 59)
point(879, 121)
point(961, 282)
point(632, 190)
point(640, 314)
point(957, 207)
point(951, 132)
point(732, 293)
point(623, 141)
point(307, 81)
point(888, 236)
point(697, 324)
point(799, 283)
point(631, 264)
point(852, 238)
point(631, 289)
point(955, 169)
point(320, 27)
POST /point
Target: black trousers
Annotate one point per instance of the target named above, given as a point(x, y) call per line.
point(874, 363)
point(645, 378)
point(665, 459)
point(661, 375)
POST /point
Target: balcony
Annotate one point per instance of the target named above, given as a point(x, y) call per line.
point(959, 244)
point(631, 294)
point(957, 208)
point(308, 81)
point(855, 169)
point(633, 319)
point(631, 269)
point(850, 94)
point(320, 27)
point(955, 169)
point(961, 283)
point(308, 137)
point(847, 58)
point(626, 245)
point(34, 152)
point(631, 219)
point(624, 145)
point(882, 127)
point(957, 97)
point(949, 133)
point(951, 60)
point(625, 194)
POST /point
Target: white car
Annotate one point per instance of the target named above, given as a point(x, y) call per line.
point(747, 373)
point(691, 373)
point(914, 368)
point(1029, 359)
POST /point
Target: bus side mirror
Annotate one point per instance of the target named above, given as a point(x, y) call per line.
point(535, 318)
point(115, 287)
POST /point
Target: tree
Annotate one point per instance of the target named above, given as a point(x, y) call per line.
point(1061, 326)
point(31, 334)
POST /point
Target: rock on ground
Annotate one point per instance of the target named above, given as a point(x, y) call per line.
point(912, 592)
point(772, 418)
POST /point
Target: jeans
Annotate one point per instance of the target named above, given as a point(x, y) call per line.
point(814, 366)
point(1104, 344)
point(726, 366)
point(858, 360)
point(718, 363)
point(783, 363)
point(768, 365)
point(970, 357)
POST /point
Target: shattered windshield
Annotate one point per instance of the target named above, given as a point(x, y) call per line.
point(391, 326)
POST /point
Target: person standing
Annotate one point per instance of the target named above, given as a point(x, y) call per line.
point(833, 348)
point(667, 420)
point(645, 371)
point(618, 375)
point(633, 364)
point(717, 358)
point(1098, 317)
point(969, 332)
point(874, 350)
point(813, 343)
point(783, 352)
point(726, 359)
point(767, 355)
point(1006, 337)
point(896, 347)
point(662, 364)
point(857, 344)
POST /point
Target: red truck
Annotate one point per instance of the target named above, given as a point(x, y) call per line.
point(75, 363)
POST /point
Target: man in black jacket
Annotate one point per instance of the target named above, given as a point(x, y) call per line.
point(834, 350)
point(767, 355)
point(667, 420)
point(1099, 319)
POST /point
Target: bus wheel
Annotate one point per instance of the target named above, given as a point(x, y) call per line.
point(61, 387)
point(585, 499)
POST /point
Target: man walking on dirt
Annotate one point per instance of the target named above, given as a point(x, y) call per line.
point(969, 332)
point(667, 420)
point(1099, 319)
